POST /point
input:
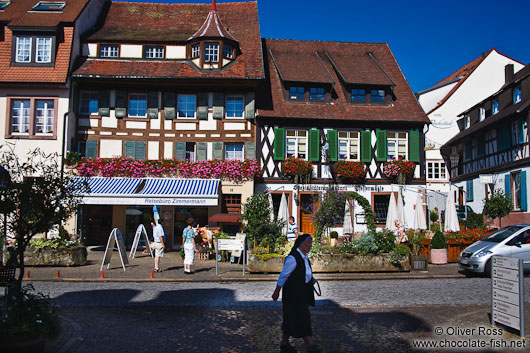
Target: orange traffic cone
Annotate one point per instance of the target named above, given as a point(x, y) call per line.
point(28, 275)
point(102, 274)
point(58, 274)
point(152, 274)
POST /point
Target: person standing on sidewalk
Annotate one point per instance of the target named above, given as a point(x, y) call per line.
point(292, 229)
point(188, 243)
point(159, 238)
point(296, 279)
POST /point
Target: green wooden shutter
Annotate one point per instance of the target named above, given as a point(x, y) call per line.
point(202, 151)
point(279, 144)
point(121, 104)
point(507, 184)
point(469, 190)
point(169, 106)
point(366, 146)
point(250, 150)
point(249, 106)
point(152, 105)
point(218, 106)
point(180, 150)
point(130, 149)
point(333, 144)
point(314, 145)
point(104, 103)
point(414, 146)
point(202, 106)
point(139, 150)
point(217, 150)
point(381, 145)
point(91, 149)
point(520, 136)
point(524, 197)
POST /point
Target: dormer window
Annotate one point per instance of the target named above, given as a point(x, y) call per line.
point(228, 52)
point(33, 50)
point(23, 50)
point(108, 51)
point(154, 52)
point(296, 93)
point(517, 95)
point(358, 95)
point(4, 4)
point(195, 51)
point(377, 95)
point(494, 107)
point(467, 121)
point(481, 114)
point(49, 6)
point(211, 52)
point(316, 94)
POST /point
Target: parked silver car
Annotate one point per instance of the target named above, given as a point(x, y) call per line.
point(512, 241)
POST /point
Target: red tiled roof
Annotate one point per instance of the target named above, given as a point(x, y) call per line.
point(405, 107)
point(16, 14)
point(175, 23)
point(55, 74)
point(300, 66)
point(359, 70)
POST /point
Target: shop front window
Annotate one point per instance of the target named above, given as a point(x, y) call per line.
point(380, 205)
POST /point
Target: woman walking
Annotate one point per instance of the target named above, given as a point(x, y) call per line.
point(296, 279)
point(188, 242)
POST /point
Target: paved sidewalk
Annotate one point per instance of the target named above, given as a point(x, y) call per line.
point(141, 267)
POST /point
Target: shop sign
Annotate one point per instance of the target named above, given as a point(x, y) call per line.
point(140, 233)
point(507, 292)
point(356, 188)
point(115, 238)
point(169, 201)
point(232, 244)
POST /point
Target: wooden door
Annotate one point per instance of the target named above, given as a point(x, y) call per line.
point(308, 209)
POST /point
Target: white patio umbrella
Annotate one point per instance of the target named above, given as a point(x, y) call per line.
point(451, 219)
point(283, 212)
point(347, 224)
point(271, 204)
point(400, 210)
point(391, 215)
point(419, 215)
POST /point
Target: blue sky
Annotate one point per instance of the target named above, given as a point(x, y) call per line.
point(429, 38)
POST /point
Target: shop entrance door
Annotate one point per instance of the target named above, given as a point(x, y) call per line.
point(309, 206)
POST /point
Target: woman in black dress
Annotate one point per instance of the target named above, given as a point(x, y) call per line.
point(296, 279)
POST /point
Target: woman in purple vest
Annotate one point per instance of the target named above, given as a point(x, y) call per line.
point(296, 279)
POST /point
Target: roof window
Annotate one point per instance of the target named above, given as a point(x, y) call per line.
point(49, 6)
point(4, 4)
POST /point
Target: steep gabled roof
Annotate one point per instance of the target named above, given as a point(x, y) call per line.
point(404, 108)
point(19, 14)
point(212, 26)
point(128, 22)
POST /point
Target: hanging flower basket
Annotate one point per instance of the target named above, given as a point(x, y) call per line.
point(354, 172)
point(298, 169)
point(400, 170)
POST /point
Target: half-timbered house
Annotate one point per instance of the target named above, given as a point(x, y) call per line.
point(164, 81)
point(491, 151)
point(330, 101)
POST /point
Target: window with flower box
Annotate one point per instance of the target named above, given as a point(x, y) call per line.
point(32, 117)
point(397, 145)
point(296, 143)
point(234, 151)
point(349, 145)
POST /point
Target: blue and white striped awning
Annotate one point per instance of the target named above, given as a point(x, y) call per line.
point(150, 191)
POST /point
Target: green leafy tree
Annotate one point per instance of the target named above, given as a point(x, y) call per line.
point(35, 196)
point(497, 205)
point(258, 225)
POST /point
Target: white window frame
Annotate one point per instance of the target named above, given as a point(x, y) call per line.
point(24, 119)
point(178, 110)
point(397, 141)
point(107, 51)
point(87, 99)
point(516, 189)
point(195, 51)
point(351, 141)
point(228, 52)
point(297, 137)
point(211, 52)
point(467, 122)
point(434, 168)
point(239, 97)
point(44, 54)
point(129, 105)
point(46, 115)
point(58, 6)
point(19, 49)
point(191, 154)
point(154, 52)
point(235, 155)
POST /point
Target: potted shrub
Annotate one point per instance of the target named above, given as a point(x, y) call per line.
point(438, 249)
point(418, 262)
point(333, 236)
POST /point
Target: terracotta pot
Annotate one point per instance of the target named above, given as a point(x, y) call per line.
point(438, 256)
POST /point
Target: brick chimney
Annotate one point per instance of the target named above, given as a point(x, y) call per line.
point(508, 73)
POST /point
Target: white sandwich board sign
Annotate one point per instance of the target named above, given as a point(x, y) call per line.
point(233, 244)
point(115, 238)
point(507, 292)
point(140, 233)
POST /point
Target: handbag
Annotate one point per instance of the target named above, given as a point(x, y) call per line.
point(316, 288)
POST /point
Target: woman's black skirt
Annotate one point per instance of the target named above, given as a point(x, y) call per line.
point(296, 319)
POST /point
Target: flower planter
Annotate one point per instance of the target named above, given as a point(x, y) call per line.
point(438, 256)
point(333, 263)
point(73, 256)
point(419, 262)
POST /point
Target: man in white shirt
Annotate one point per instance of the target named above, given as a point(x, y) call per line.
point(292, 229)
point(159, 238)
